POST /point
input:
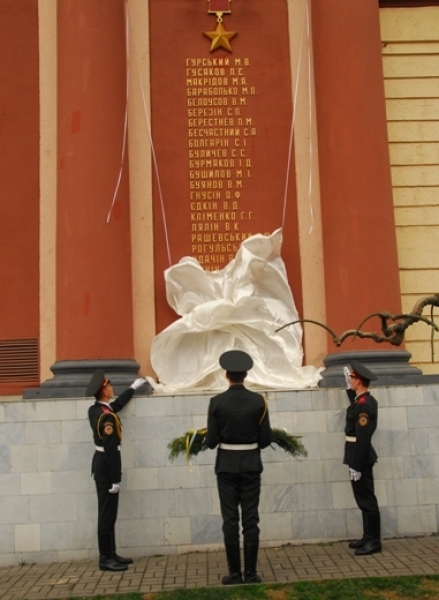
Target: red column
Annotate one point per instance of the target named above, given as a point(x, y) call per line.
point(359, 240)
point(94, 300)
point(19, 196)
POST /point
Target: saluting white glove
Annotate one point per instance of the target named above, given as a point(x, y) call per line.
point(115, 488)
point(354, 475)
point(138, 383)
point(346, 374)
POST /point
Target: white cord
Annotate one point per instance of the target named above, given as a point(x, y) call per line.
point(125, 125)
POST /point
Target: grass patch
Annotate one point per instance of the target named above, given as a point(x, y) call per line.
point(372, 588)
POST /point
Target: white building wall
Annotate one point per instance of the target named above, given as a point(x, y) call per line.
point(48, 506)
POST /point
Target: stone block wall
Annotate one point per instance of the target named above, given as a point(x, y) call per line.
point(48, 503)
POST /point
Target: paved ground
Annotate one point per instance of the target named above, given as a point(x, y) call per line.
point(408, 556)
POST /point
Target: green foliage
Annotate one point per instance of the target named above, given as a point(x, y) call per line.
point(377, 588)
point(192, 442)
point(290, 443)
point(370, 588)
point(240, 592)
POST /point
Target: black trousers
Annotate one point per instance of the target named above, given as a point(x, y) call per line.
point(239, 490)
point(364, 494)
point(107, 514)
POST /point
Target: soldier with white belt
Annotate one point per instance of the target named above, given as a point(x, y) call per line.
point(238, 423)
point(360, 455)
point(107, 464)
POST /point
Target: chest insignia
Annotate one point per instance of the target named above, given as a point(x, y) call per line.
point(363, 419)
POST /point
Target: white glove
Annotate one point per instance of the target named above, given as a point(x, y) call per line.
point(346, 374)
point(354, 475)
point(114, 488)
point(138, 383)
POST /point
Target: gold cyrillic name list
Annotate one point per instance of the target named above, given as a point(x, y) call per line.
point(219, 99)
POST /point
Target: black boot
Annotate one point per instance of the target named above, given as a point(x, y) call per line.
point(117, 558)
point(374, 526)
point(122, 560)
point(234, 563)
point(373, 543)
point(370, 547)
point(250, 562)
point(105, 544)
point(357, 543)
point(109, 563)
point(360, 543)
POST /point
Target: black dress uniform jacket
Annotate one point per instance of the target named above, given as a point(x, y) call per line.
point(107, 434)
point(238, 416)
point(361, 422)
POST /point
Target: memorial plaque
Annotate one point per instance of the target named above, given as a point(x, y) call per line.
point(221, 104)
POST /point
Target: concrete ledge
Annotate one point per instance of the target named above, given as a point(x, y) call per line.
point(71, 377)
point(49, 502)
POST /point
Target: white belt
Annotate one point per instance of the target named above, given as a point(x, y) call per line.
point(238, 446)
point(101, 449)
point(351, 438)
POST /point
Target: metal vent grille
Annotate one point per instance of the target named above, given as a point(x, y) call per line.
point(18, 361)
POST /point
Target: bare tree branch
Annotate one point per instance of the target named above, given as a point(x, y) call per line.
point(391, 333)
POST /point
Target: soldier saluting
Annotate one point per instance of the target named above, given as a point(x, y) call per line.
point(360, 456)
point(106, 465)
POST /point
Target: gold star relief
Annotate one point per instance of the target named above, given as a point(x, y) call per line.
point(220, 38)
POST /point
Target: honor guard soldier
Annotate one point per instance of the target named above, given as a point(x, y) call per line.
point(106, 464)
point(238, 423)
point(360, 456)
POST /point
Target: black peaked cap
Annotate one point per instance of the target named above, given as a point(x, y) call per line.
point(236, 361)
point(363, 371)
point(96, 382)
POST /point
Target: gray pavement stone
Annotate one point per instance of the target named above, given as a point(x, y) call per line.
point(286, 564)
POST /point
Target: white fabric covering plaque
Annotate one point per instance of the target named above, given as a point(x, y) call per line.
point(238, 307)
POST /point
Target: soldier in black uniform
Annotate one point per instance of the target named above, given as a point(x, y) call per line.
point(106, 464)
point(239, 424)
point(360, 456)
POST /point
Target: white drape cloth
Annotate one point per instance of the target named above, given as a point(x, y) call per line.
point(238, 307)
